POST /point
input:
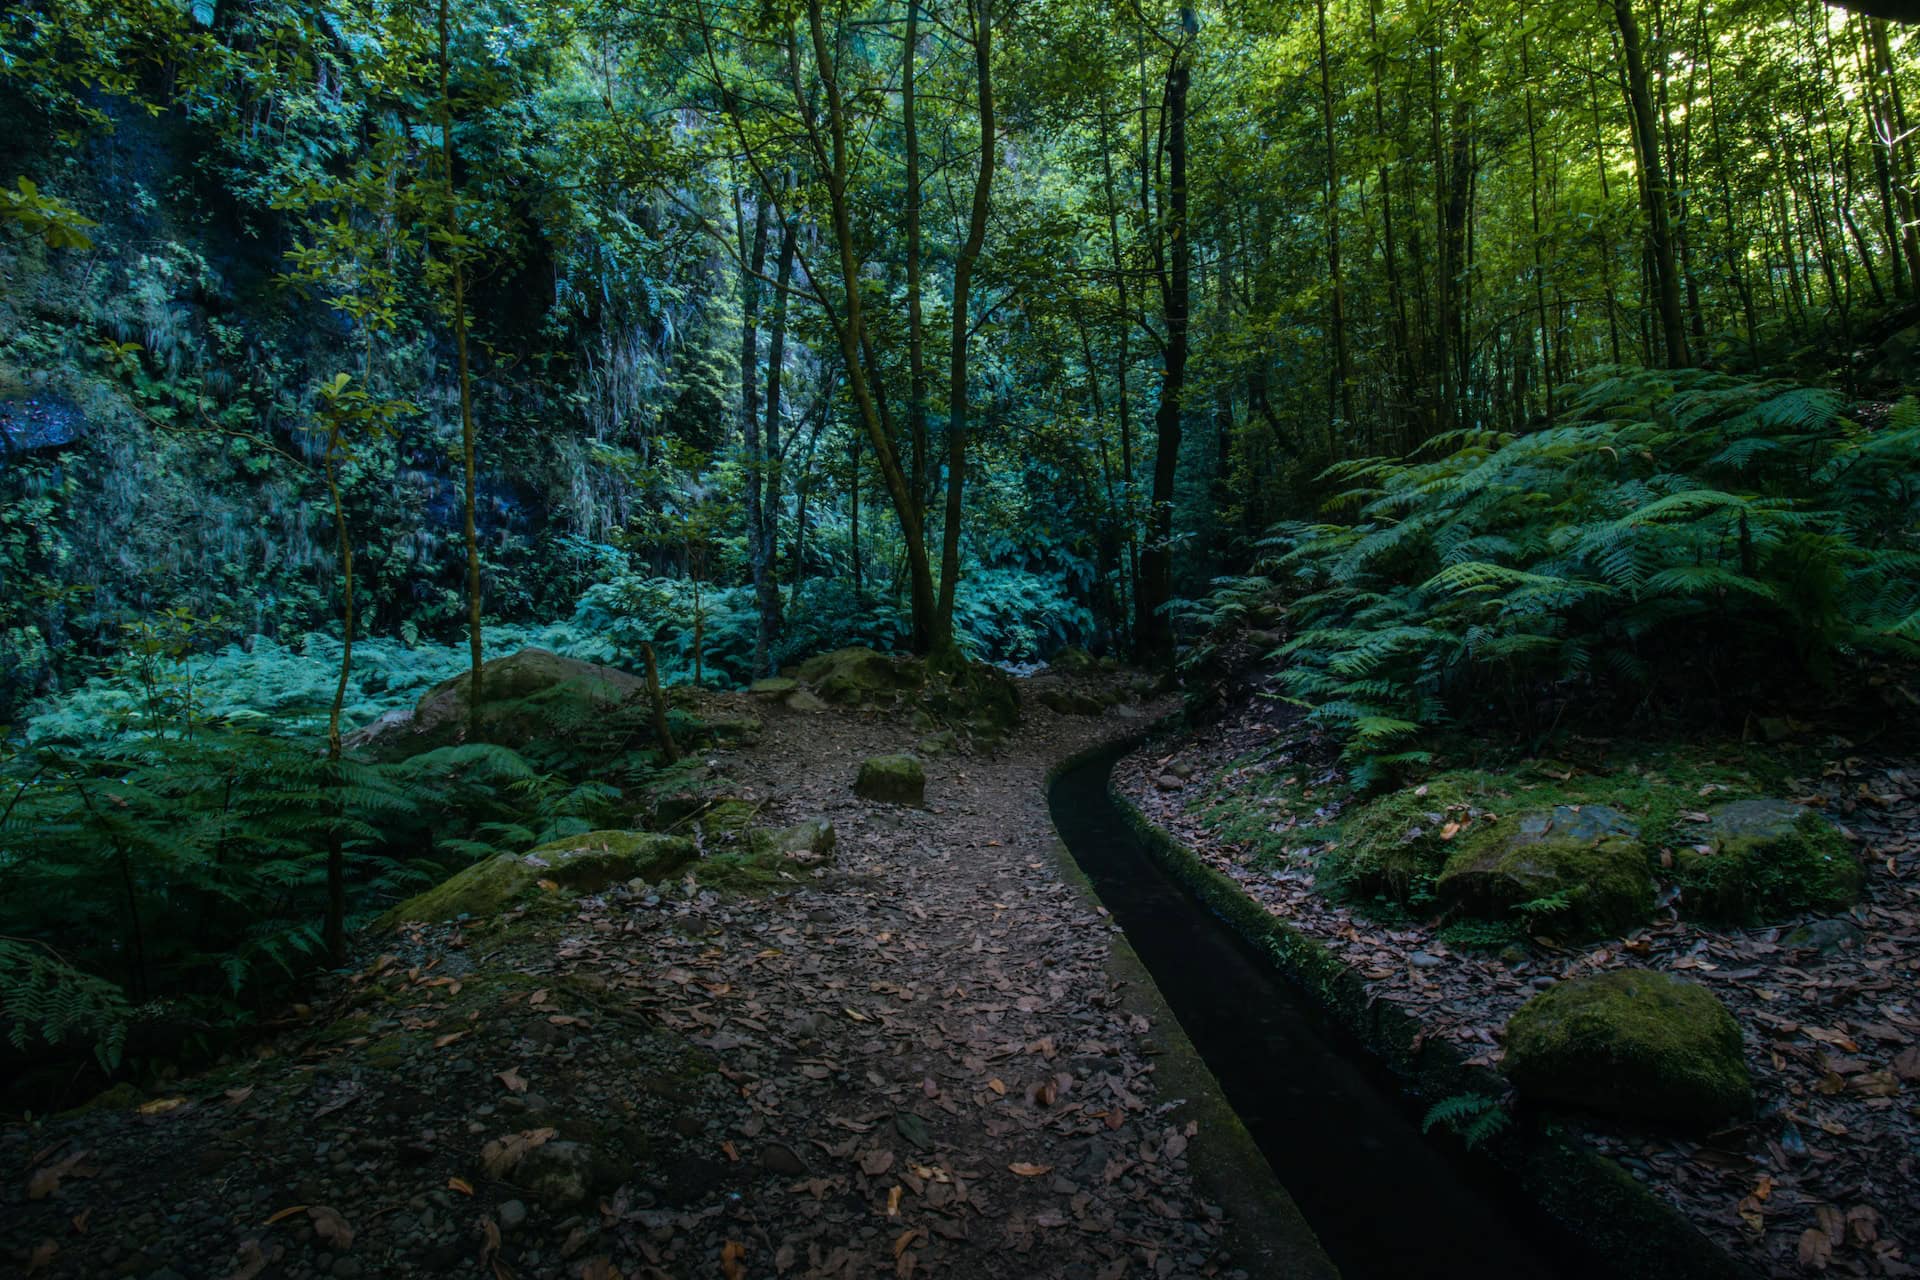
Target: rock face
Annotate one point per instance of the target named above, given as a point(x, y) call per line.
point(1587, 859)
point(892, 780)
point(1767, 859)
point(533, 694)
point(584, 863)
point(1632, 1043)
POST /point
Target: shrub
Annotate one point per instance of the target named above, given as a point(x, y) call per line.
point(1682, 512)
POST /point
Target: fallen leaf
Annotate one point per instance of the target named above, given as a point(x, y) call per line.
point(1026, 1170)
point(42, 1256)
point(331, 1227)
point(80, 1220)
point(893, 1202)
point(442, 1042)
point(160, 1106)
point(499, 1156)
point(461, 1185)
point(732, 1253)
point(512, 1079)
point(1816, 1251)
point(237, 1096)
point(876, 1162)
point(285, 1214)
point(45, 1182)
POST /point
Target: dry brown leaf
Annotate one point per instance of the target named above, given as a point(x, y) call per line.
point(499, 1156)
point(80, 1220)
point(893, 1201)
point(732, 1256)
point(461, 1185)
point(1816, 1251)
point(252, 1261)
point(997, 1086)
point(284, 1214)
point(441, 1042)
point(600, 1268)
point(42, 1256)
point(876, 1162)
point(1026, 1170)
point(512, 1080)
point(44, 1182)
point(160, 1106)
point(237, 1096)
point(331, 1227)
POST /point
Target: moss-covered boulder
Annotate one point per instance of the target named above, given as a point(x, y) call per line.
point(1632, 1043)
point(1395, 847)
point(1765, 860)
point(726, 820)
point(1068, 701)
point(1575, 870)
point(773, 688)
point(1072, 658)
point(862, 677)
point(528, 697)
point(810, 841)
point(592, 861)
point(983, 700)
point(892, 780)
point(938, 744)
point(584, 863)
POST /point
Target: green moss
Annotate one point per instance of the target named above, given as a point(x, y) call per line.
point(1574, 888)
point(480, 890)
point(727, 819)
point(1396, 846)
point(1757, 876)
point(892, 780)
point(596, 859)
point(1631, 1042)
point(861, 677)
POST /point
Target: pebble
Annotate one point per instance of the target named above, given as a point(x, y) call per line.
point(1424, 960)
point(512, 1214)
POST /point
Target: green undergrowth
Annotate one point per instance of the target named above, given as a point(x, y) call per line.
point(1385, 855)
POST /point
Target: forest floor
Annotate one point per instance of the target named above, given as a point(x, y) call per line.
point(1826, 1178)
point(917, 1060)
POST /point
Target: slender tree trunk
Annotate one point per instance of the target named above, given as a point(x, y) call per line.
point(851, 330)
point(769, 480)
point(1128, 476)
point(335, 929)
point(1666, 276)
point(753, 255)
point(1342, 379)
point(916, 329)
point(1153, 629)
point(962, 294)
point(1396, 298)
point(1533, 192)
point(457, 262)
point(657, 704)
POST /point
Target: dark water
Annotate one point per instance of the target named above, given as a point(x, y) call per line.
point(1386, 1201)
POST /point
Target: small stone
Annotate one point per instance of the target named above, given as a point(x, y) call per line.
point(1825, 936)
point(776, 1158)
point(1167, 782)
point(512, 1214)
point(897, 779)
point(1424, 960)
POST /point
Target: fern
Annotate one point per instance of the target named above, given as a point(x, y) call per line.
point(1472, 1117)
point(42, 995)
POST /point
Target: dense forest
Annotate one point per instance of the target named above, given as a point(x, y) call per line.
point(414, 414)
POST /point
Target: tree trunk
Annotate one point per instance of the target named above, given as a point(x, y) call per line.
point(753, 256)
point(962, 293)
point(1337, 318)
point(768, 473)
point(475, 692)
point(1666, 276)
point(1153, 629)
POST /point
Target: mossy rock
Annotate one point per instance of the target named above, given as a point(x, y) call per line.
point(1072, 702)
point(938, 744)
point(1576, 869)
point(773, 688)
point(729, 729)
point(1631, 1043)
point(803, 701)
point(892, 780)
point(530, 696)
point(1396, 846)
point(811, 841)
point(1072, 658)
point(1765, 860)
point(861, 677)
point(586, 863)
point(596, 859)
point(727, 819)
point(983, 699)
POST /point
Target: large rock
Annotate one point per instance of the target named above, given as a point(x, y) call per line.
point(1766, 860)
point(1395, 846)
point(1578, 870)
point(529, 696)
point(1632, 1043)
point(892, 780)
point(809, 841)
point(585, 863)
point(861, 677)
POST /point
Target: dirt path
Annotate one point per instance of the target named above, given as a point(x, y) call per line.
point(913, 1062)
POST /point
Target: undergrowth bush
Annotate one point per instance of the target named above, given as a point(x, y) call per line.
point(1738, 527)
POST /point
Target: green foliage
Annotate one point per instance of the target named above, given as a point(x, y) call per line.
point(1472, 1117)
point(42, 995)
point(1678, 515)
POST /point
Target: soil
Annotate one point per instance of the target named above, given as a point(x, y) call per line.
point(915, 1059)
point(1826, 1176)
